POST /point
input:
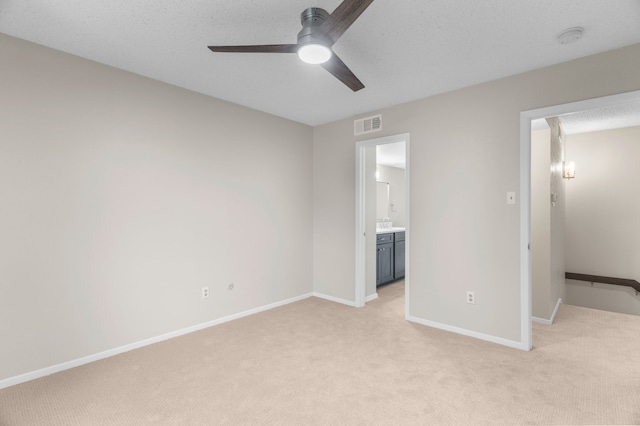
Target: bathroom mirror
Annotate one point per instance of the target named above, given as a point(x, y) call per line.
point(382, 201)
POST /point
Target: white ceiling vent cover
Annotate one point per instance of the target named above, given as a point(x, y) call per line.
point(367, 125)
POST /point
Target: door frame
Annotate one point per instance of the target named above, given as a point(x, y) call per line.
point(526, 117)
point(360, 236)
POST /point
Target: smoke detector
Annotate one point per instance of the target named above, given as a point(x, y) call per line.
point(570, 35)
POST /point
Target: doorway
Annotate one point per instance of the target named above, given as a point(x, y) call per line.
point(526, 118)
point(365, 237)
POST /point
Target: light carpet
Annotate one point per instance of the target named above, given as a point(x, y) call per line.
point(315, 362)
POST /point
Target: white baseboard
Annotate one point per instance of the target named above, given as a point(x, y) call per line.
point(335, 299)
point(374, 296)
point(465, 332)
point(541, 321)
point(11, 381)
point(553, 315)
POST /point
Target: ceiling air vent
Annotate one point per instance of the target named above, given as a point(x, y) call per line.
point(368, 125)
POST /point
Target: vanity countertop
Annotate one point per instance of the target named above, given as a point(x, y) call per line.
point(389, 230)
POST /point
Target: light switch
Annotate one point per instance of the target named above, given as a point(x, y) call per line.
point(511, 197)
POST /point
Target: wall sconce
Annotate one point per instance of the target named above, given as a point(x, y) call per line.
point(568, 169)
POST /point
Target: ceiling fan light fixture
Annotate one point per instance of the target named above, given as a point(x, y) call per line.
point(314, 53)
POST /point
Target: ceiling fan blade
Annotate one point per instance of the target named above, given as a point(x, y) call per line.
point(342, 18)
point(340, 71)
point(264, 48)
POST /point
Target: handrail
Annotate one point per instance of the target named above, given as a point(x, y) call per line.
point(606, 280)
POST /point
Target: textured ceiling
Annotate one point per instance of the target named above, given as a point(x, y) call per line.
point(401, 50)
point(624, 114)
point(612, 117)
point(391, 154)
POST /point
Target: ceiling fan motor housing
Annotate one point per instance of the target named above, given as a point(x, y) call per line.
point(311, 19)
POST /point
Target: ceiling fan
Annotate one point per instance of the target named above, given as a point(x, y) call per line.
point(320, 31)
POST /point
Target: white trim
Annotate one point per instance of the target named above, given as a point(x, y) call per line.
point(553, 315)
point(525, 233)
point(465, 332)
point(26, 377)
point(541, 321)
point(374, 296)
point(555, 310)
point(360, 216)
point(335, 299)
point(360, 229)
point(525, 191)
point(407, 221)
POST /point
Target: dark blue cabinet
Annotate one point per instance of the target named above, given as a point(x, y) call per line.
point(389, 257)
point(398, 253)
point(384, 262)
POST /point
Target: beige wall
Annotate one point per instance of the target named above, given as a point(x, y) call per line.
point(557, 213)
point(464, 158)
point(541, 224)
point(547, 220)
point(603, 217)
point(370, 199)
point(123, 196)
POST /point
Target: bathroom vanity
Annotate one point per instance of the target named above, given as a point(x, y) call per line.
point(390, 249)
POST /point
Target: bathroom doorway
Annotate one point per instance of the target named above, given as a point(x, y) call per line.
point(384, 160)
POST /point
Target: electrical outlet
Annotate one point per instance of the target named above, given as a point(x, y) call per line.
point(471, 297)
point(230, 286)
point(205, 292)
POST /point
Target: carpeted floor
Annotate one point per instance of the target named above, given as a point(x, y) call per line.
point(316, 362)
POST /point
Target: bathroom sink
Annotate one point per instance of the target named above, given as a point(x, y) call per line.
point(388, 230)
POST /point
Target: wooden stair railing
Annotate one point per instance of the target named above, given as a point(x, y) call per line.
point(606, 280)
